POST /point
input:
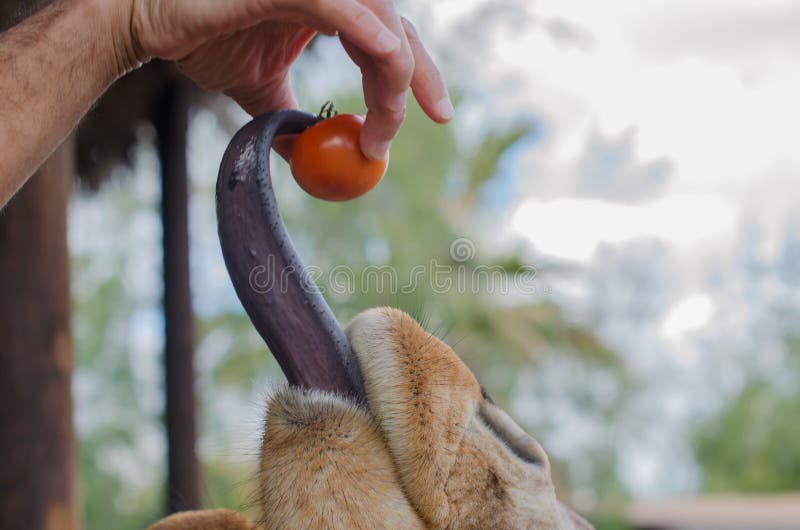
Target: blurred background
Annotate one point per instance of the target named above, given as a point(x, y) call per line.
point(640, 156)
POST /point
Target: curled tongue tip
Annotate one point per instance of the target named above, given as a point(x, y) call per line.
point(269, 277)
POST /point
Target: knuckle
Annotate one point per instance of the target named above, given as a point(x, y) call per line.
point(316, 9)
point(405, 72)
point(407, 62)
point(394, 117)
point(385, 123)
point(400, 70)
point(360, 16)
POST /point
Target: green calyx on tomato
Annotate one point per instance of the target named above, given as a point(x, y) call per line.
point(327, 111)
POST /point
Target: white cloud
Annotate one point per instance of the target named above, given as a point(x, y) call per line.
point(573, 229)
point(720, 121)
point(687, 315)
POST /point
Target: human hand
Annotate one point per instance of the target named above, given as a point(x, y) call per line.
point(244, 48)
point(429, 449)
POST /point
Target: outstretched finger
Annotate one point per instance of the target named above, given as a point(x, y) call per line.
point(383, 121)
point(427, 83)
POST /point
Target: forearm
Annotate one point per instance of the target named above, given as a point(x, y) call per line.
point(53, 66)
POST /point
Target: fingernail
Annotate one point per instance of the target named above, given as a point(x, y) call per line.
point(379, 151)
point(387, 41)
point(445, 108)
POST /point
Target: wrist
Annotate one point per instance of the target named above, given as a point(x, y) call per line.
point(114, 19)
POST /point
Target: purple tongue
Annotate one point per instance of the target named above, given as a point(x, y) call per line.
point(270, 279)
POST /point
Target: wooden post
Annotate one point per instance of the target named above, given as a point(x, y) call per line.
point(37, 446)
point(171, 119)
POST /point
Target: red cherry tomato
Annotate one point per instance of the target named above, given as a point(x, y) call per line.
point(327, 162)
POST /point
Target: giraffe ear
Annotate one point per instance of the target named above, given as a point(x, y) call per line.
point(522, 444)
point(204, 520)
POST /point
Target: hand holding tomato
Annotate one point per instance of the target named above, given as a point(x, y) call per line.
point(245, 49)
point(327, 162)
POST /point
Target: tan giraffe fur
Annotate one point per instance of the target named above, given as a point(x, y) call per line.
point(429, 451)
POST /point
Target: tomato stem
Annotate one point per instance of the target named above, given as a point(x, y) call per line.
point(327, 111)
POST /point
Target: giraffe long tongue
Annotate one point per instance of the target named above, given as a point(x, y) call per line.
point(269, 277)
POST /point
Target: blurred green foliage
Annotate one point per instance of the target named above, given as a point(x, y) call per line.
point(610, 522)
point(483, 163)
point(102, 339)
point(752, 445)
